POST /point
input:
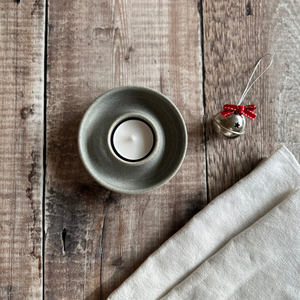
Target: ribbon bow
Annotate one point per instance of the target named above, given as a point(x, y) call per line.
point(247, 110)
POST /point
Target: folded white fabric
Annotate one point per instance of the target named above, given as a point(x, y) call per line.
point(207, 232)
point(262, 262)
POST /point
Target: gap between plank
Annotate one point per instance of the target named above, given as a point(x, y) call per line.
point(45, 142)
point(200, 10)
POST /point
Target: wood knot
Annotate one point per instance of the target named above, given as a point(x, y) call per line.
point(117, 262)
point(26, 111)
point(127, 56)
point(9, 288)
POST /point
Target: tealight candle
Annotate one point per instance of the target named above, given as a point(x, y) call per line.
point(133, 139)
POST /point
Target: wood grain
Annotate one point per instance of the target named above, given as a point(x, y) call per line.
point(94, 46)
point(21, 148)
point(235, 37)
point(284, 87)
point(96, 238)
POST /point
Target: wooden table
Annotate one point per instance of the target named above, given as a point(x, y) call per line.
point(62, 235)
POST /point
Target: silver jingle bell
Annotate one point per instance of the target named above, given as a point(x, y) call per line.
point(230, 127)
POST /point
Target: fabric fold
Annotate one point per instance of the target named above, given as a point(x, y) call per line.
point(207, 232)
point(262, 262)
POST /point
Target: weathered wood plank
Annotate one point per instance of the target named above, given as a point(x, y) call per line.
point(235, 36)
point(93, 47)
point(284, 87)
point(21, 148)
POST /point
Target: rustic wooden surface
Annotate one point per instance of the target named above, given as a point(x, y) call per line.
point(199, 54)
point(93, 47)
point(235, 38)
point(236, 35)
point(21, 148)
point(284, 83)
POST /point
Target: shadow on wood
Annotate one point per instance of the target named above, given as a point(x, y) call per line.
point(95, 295)
point(74, 201)
point(63, 152)
point(126, 264)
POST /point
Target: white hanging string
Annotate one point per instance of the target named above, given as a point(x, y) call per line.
point(247, 89)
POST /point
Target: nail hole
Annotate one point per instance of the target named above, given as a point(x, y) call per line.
point(248, 9)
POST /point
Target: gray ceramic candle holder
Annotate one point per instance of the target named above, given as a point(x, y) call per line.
point(119, 175)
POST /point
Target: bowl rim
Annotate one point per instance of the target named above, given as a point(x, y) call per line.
point(104, 183)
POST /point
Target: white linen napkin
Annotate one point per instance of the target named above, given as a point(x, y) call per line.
point(208, 231)
point(262, 262)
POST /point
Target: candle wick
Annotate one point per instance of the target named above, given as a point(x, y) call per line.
point(132, 138)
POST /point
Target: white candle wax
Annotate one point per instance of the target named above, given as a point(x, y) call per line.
point(133, 139)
